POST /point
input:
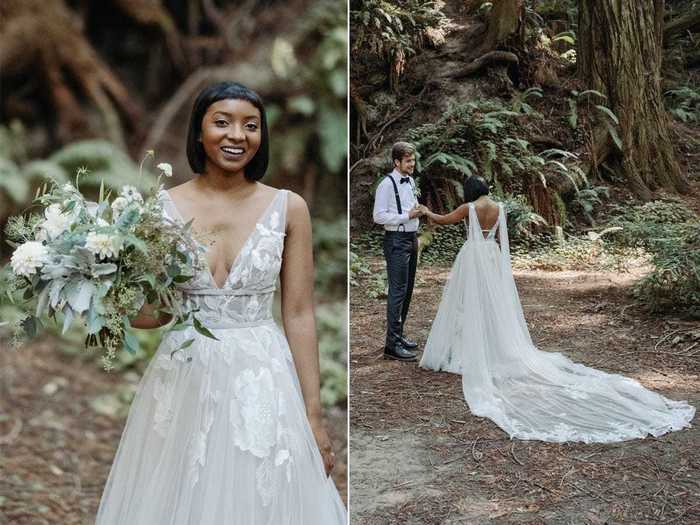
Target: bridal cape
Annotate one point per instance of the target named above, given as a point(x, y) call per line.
point(217, 433)
point(480, 333)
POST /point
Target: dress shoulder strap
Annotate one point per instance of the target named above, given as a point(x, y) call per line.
point(281, 208)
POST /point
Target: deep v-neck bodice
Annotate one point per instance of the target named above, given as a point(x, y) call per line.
point(248, 239)
point(246, 294)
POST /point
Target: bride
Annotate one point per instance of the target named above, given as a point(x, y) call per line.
point(480, 332)
point(230, 430)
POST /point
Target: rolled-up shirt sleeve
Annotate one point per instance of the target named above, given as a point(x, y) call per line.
point(384, 212)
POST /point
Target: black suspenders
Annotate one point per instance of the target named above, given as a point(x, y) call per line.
point(398, 200)
point(396, 194)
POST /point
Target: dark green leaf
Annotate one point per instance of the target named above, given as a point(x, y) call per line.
point(202, 329)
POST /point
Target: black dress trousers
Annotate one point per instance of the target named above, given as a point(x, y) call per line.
point(401, 254)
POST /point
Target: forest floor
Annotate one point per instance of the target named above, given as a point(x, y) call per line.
point(419, 457)
point(61, 419)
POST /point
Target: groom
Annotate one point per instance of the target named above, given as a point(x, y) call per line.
point(396, 208)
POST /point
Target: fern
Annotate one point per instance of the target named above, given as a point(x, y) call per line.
point(684, 103)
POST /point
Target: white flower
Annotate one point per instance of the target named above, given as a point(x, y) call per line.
point(166, 169)
point(131, 194)
point(55, 224)
point(28, 257)
point(118, 206)
point(103, 245)
point(91, 208)
point(254, 412)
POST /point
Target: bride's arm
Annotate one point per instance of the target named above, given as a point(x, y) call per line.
point(454, 216)
point(297, 278)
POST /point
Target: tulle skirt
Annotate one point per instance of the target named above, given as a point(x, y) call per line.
point(217, 434)
point(480, 332)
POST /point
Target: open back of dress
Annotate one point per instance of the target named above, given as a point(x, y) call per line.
point(481, 333)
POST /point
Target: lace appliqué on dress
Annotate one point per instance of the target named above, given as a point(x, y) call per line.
point(164, 390)
point(258, 416)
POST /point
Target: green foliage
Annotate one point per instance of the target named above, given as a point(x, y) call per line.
point(482, 137)
point(575, 253)
point(654, 212)
point(311, 122)
point(19, 178)
point(445, 244)
point(332, 333)
point(375, 282)
point(521, 219)
point(674, 283)
point(358, 267)
point(684, 103)
point(586, 200)
point(378, 285)
point(555, 8)
point(395, 28)
point(330, 248)
point(670, 233)
point(609, 118)
point(520, 104)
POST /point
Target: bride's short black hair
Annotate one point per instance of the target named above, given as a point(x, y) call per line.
point(474, 187)
point(196, 155)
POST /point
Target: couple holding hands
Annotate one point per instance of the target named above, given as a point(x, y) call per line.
point(480, 332)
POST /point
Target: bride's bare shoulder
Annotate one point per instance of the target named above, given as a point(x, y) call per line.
point(181, 190)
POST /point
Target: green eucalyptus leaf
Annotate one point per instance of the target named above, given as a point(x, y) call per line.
point(131, 342)
point(202, 329)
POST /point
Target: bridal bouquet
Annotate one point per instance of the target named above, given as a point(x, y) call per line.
point(100, 262)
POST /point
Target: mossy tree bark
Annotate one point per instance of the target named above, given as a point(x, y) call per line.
point(619, 53)
point(505, 20)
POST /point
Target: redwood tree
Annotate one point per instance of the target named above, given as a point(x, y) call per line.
point(505, 20)
point(619, 53)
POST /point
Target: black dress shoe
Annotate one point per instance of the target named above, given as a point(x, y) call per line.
point(399, 353)
point(407, 343)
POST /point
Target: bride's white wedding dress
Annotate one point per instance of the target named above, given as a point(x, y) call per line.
point(217, 434)
point(480, 332)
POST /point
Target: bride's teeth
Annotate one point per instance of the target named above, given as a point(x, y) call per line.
point(233, 150)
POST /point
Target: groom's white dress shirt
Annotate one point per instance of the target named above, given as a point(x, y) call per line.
point(385, 211)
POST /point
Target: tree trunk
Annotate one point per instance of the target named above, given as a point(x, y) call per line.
point(505, 20)
point(619, 53)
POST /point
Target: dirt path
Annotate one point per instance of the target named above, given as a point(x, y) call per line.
point(419, 457)
point(59, 430)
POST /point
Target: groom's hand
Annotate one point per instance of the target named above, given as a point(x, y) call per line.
point(415, 212)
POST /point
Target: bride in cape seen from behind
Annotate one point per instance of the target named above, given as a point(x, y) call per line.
point(480, 332)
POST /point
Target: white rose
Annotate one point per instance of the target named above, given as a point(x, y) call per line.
point(28, 257)
point(103, 245)
point(166, 169)
point(118, 206)
point(55, 224)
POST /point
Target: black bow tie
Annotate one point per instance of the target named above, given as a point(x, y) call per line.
point(404, 179)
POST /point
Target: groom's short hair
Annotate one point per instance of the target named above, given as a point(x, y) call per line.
point(401, 150)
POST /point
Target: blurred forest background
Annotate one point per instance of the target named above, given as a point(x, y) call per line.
point(96, 85)
point(584, 117)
